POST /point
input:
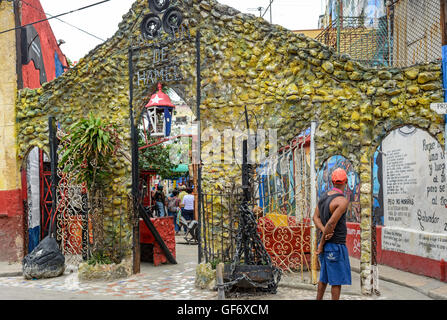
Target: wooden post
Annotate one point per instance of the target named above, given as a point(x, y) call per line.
point(443, 22)
point(339, 24)
point(313, 204)
point(219, 279)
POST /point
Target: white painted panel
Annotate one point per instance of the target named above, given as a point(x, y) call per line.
point(415, 200)
point(32, 176)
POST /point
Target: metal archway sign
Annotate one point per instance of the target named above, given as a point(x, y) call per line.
point(151, 29)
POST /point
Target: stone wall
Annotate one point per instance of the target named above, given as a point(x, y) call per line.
point(286, 79)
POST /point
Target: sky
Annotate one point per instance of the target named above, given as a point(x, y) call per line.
point(102, 21)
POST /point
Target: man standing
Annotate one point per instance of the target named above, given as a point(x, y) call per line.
point(330, 219)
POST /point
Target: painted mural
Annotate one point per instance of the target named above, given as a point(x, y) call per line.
point(42, 59)
point(278, 177)
point(32, 51)
point(409, 193)
point(352, 191)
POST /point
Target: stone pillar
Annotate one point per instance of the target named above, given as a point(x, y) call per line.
point(365, 221)
point(11, 208)
point(366, 130)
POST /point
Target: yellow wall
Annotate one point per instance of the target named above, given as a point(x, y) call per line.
point(9, 171)
point(311, 33)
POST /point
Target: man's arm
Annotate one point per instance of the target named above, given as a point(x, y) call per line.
point(339, 208)
point(319, 223)
point(317, 219)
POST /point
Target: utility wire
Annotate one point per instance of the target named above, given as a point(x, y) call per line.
point(56, 16)
point(90, 34)
point(269, 6)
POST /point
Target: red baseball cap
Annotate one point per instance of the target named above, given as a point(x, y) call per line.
point(339, 176)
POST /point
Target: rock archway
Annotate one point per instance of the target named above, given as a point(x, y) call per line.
point(286, 79)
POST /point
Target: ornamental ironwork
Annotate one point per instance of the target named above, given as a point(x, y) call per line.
point(163, 18)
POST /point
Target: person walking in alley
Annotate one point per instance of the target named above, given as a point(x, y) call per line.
point(182, 193)
point(173, 208)
point(188, 205)
point(160, 200)
point(330, 219)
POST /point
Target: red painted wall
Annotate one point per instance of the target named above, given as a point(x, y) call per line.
point(12, 223)
point(30, 75)
point(12, 229)
point(402, 261)
point(353, 239)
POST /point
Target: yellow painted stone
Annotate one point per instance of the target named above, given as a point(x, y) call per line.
point(355, 116)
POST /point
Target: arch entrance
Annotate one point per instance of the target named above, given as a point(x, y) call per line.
point(37, 196)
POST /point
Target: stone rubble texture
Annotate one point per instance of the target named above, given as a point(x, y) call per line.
point(87, 272)
point(286, 79)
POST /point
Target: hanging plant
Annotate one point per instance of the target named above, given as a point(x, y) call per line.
point(91, 143)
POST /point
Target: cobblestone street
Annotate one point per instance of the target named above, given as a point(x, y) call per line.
point(166, 282)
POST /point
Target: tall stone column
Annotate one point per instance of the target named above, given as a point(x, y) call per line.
point(366, 129)
point(11, 209)
point(365, 222)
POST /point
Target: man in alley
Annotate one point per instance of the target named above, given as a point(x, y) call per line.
point(330, 219)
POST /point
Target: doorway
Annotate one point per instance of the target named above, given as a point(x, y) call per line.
point(36, 192)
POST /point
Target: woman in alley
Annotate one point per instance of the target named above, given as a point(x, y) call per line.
point(160, 201)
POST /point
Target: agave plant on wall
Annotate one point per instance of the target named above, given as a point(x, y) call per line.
point(92, 143)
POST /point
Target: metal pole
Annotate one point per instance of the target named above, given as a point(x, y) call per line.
point(53, 159)
point(269, 7)
point(134, 155)
point(444, 67)
point(339, 21)
point(246, 197)
point(313, 202)
point(199, 165)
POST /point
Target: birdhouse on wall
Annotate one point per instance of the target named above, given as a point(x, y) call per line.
point(159, 114)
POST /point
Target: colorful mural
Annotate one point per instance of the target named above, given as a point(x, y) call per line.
point(276, 185)
point(352, 191)
point(42, 59)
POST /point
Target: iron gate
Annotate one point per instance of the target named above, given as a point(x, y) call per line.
point(283, 198)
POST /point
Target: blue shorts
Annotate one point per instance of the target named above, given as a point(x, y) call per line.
point(335, 267)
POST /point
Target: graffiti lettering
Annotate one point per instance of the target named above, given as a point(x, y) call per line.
point(431, 189)
point(428, 219)
point(427, 146)
point(433, 157)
